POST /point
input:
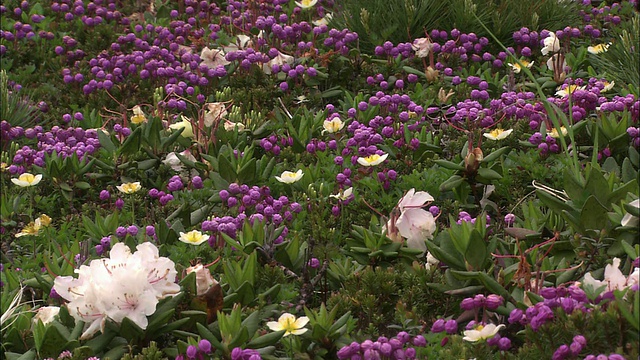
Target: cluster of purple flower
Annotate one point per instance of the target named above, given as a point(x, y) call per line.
point(464, 216)
point(64, 141)
point(634, 133)
point(255, 204)
point(201, 351)
point(621, 103)
point(95, 12)
point(565, 351)
point(163, 198)
point(525, 38)
point(546, 144)
point(569, 299)
point(273, 144)
point(245, 354)
point(104, 245)
point(402, 346)
point(389, 50)
point(490, 302)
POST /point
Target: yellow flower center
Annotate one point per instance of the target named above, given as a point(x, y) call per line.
point(289, 325)
point(27, 177)
point(372, 158)
point(494, 133)
point(571, 88)
point(193, 237)
point(479, 327)
point(306, 2)
point(290, 175)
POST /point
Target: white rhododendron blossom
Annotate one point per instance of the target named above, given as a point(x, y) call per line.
point(551, 44)
point(414, 223)
point(214, 112)
point(172, 160)
point(125, 285)
point(46, 314)
point(614, 279)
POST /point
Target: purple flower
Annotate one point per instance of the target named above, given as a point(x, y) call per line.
point(119, 204)
point(132, 230)
point(121, 232)
point(205, 346)
point(451, 327)
point(314, 263)
point(192, 351)
point(104, 195)
point(438, 326)
point(561, 353)
point(493, 301)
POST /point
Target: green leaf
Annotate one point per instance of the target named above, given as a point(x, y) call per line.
point(496, 154)
point(476, 251)
point(451, 183)
point(266, 340)
point(593, 214)
point(105, 142)
point(449, 165)
point(489, 174)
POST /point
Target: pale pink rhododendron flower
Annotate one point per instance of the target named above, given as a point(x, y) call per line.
point(422, 47)
point(551, 44)
point(213, 58)
point(214, 112)
point(414, 223)
point(279, 60)
point(614, 279)
point(204, 279)
point(124, 285)
point(46, 314)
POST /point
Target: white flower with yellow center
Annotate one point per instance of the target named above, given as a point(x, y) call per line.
point(332, 126)
point(372, 160)
point(289, 177)
point(26, 180)
point(290, 324)
point(305, 4)
point(193, 237)
point(568, 90)
point(138, 116)
point(607, 86)
point(598, 49)
point(129, 188)
point(517, 67)
point(497, 134)
point(482, 332)
point(33, 228)
point(554, 132)
point(324, 21)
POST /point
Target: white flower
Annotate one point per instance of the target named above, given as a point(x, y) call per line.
point(138, 116)
point(598, 49)
point(305, 4)
point(555, 134)
point(215, 112)
point(279, 60)
point(551, 64)
point(482, 332)
point(551, 44)
point(332, 126)
point(193, 237)
point(414, 223)
point(517, 68)
point(431, 261)
point(614, 279)
point(123, 285)
point(46, 314)
point(422, 47)
point(26, 179)
point(324, 21)
point(343, 195)
point(497, 134)
point(204, 280)
point(289, 177)
point(129, 188)
point(372, 160)
point(213, 58)
point(186, 124)
point(628, 219)
point(174, 162)
point(569, 89)
point(231, 126)
point(289, 323)
point(607, 86)
point(242, 42)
